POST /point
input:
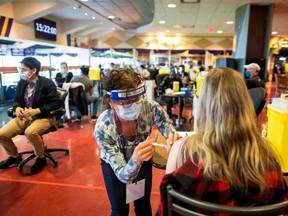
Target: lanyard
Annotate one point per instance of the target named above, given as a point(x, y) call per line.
point(29, 94)
point(123, 140)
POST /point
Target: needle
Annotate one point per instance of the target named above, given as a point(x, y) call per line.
point(160, 145)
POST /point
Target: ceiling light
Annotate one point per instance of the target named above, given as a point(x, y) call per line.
point(111, 17)
point(167, 31)
point(162, 22)
point(274, 32)
point(84, 0)
point(85, 14)
point(230, 22)
point(93, 17)
point(176, 26)
point(219, 31)
point(171, 5)
point(74, 8)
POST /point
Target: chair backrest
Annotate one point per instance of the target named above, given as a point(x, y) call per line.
point(188, 206)
point(259, 98)
point(160, 78)
point(77, 97)
point(62, 95)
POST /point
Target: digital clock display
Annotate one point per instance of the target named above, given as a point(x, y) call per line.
point(45, 29)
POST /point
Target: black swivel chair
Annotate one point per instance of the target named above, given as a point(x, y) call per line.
point(259, 98)
point(56, 115)
point(159, 89)
point(187, 206)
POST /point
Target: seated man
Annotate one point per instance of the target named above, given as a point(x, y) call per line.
point(253, 80)
point(35, 97)
point(90, 94)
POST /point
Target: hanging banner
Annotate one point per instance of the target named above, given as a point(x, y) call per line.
point(5, 26)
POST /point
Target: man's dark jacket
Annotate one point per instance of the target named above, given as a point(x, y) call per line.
point(45, 98)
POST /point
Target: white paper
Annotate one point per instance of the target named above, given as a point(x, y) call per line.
point(135, 191)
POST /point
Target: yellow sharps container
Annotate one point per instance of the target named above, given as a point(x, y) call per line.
point(199, 81)
point(277, 132)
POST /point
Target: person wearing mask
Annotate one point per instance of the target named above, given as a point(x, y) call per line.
point(35, 97)
point(125, 137)
point(225, 163)
point(252, 74)
point(92, 95)
point(64, 76)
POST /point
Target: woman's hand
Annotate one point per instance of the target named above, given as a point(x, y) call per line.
point(143, 151)
point(171, 140)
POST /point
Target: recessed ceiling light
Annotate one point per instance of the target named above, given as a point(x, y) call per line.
point(176, 26)
point(274, 32)
point(171, 5)
point(84, 0)
point(162, 22)
point(74, 8)
point(230, 22)
point(219, 31)
point(167, 31)
point(93, 17)
point(85, 14)
point(111, 17)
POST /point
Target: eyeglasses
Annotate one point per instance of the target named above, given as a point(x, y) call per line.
point(128, 103)
point(22, 70)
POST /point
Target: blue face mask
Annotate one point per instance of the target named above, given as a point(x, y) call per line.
point(247, 74)
point(129, 113)
point(23, 76)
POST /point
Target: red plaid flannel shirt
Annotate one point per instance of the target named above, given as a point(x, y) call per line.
point(189, 179)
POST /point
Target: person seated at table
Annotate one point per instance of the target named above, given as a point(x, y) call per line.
point(168, 83)
point(64, 76)
point(124, 133)
point(227, 161)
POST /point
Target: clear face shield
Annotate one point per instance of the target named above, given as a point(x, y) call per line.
point(128, 103)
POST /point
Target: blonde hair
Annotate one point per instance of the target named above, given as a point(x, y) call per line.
point(228, 143)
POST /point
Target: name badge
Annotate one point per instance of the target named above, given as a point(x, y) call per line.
point(135, 191)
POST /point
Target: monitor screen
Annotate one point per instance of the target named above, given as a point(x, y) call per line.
point(45, 29)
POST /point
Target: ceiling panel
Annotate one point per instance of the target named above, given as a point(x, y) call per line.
point(143, 16)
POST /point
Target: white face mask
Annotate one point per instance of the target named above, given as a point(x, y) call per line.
point(129, 113)
point(63, 70)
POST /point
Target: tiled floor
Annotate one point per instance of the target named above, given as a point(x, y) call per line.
point(76, 186)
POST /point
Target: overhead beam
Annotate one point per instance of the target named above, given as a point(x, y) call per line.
point(25, 12)
point(72, 26)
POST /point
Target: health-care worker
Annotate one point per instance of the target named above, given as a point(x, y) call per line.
point(125, 136)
